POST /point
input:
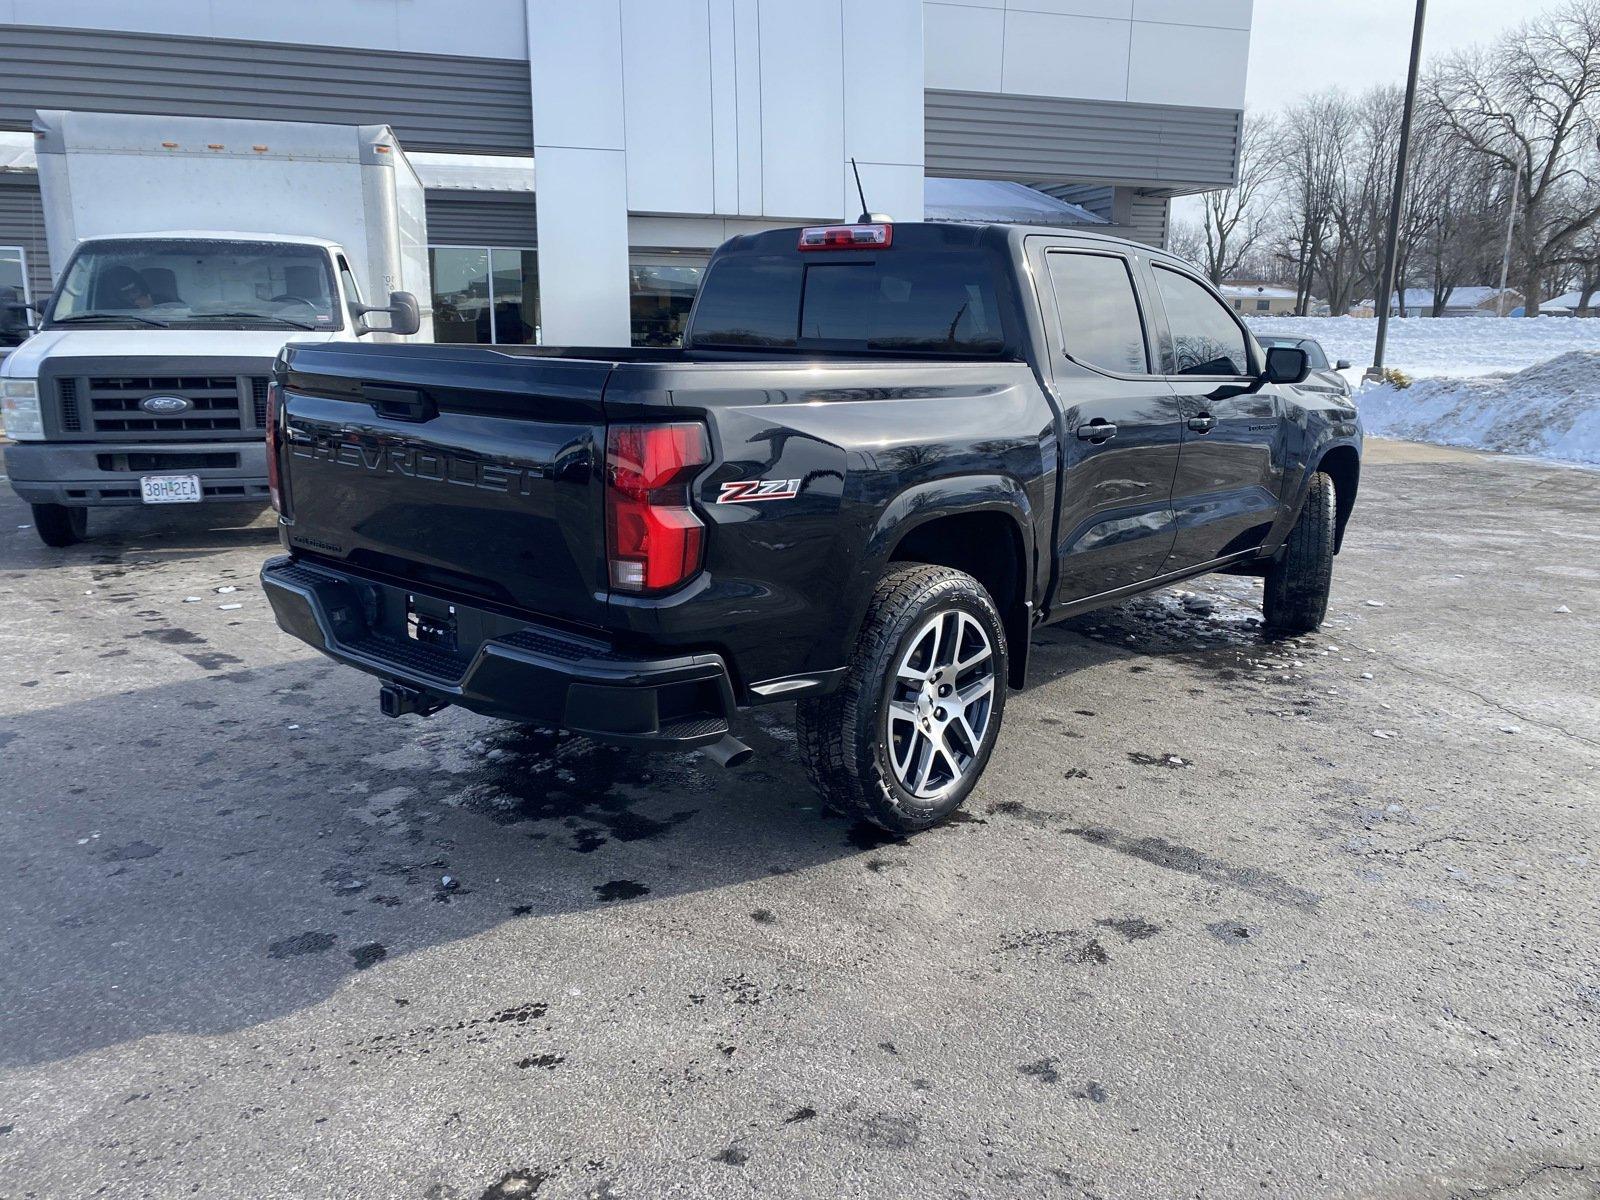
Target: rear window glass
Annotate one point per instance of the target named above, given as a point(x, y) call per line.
point(749, 300)
point(927, 302)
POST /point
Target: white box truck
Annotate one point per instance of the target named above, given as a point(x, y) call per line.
point(193, 250)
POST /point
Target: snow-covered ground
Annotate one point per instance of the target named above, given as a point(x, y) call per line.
point(1551, 410)
point(1516, 386)
point(1432, 346)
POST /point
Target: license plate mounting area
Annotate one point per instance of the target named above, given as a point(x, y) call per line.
point(431, 624)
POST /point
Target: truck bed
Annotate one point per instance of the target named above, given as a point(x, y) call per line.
point(480, 472)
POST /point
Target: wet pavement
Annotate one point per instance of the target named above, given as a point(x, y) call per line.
point(1226, 917)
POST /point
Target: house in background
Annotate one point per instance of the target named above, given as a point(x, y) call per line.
point(1252, 298)
point(1462, 302)
point(1572, 304)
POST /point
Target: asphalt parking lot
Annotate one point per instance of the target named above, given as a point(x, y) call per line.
point(1203, 931)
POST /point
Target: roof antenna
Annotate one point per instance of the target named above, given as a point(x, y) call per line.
point(867, 216)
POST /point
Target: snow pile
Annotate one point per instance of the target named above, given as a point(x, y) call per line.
point(1442, 345)
point(1551, 410)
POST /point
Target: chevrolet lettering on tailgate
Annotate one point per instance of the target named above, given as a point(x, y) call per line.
point(415, 462)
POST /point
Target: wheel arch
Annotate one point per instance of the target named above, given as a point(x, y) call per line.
point(1342, 464)
point(982, 525)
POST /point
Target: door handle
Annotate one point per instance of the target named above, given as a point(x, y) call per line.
point(1097, 431)
point(1202, 422)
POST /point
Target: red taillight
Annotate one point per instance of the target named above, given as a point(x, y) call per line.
point(274, 402)
point(654, 537)
point(847, 237)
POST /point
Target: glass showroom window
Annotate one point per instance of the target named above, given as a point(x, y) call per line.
point(661, 290)
point(484, 294)
point(13, 292)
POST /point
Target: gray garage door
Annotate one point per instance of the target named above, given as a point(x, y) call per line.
point(481, 218)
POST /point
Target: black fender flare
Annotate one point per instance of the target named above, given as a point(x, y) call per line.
point(922, 503)
point(1346, 496)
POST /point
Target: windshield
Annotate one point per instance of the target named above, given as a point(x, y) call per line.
point(198, 283)
point(1317, 360)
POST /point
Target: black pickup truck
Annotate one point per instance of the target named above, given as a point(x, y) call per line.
point(884, 455)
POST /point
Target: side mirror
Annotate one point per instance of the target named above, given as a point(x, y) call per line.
point(1286, 365)
point(16, 315)
point(405, 318)
point(1342, 365)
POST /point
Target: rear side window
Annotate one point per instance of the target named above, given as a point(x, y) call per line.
point(925, 302)
point(1100, 323)
point(1206, 340)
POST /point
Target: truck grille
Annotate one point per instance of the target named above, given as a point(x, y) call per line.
point(111, 406)
point(213, 403)
point(258, 397)
point(71, 420)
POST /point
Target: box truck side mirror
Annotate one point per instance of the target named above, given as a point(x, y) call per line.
point(15, 314)
point(405, 318)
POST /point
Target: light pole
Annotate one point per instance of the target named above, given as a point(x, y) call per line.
point(1505, 261)
point(1392, 243)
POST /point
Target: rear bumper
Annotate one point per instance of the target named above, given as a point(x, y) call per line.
point(92, 474)
point(517, 670)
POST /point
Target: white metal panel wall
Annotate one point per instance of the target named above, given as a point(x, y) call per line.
point(802, 108)
point(722, 108)
point(580, 139)
point(883, 103)
point(1183, 52)
point(667, 85)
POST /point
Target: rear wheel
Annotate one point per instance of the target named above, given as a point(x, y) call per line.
point(904, 739)
point(60, 524)
point(1296, 593)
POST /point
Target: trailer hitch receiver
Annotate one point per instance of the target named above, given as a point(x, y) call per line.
point(398, 701)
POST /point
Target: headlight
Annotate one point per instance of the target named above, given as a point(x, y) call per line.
point(19, 409)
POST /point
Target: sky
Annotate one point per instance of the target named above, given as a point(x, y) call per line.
point(1303, 46)
point(1300, 46)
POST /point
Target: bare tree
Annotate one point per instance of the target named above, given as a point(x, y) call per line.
point(1524, 105)
point(1311, 159)
point(1234, 221)
point(1188, 241)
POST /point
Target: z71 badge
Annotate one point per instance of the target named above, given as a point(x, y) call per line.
point(748, 491)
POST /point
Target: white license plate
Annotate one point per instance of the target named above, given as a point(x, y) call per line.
point(170, 489)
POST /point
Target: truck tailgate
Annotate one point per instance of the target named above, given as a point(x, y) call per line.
point(494, 492)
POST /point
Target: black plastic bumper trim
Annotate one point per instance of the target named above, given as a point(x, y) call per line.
point(533, 673)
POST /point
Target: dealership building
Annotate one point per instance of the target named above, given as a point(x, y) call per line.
point(583, 157)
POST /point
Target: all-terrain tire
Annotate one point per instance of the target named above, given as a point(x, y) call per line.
point(1297, 583)
point(60, 524)
point(844, 737)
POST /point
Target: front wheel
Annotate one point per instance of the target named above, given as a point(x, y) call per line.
point(904, 739)
point(60, 524)
point(1296, 593)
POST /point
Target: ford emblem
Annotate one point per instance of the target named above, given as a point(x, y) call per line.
point(165, 404)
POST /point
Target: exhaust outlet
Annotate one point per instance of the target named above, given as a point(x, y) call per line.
point(397, 701)
point(728, 751)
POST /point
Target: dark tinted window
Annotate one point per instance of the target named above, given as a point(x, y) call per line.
point(937, 302)
point(918, 301)
point(1206, 340)
point(749, 300)
point(1100, 322)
